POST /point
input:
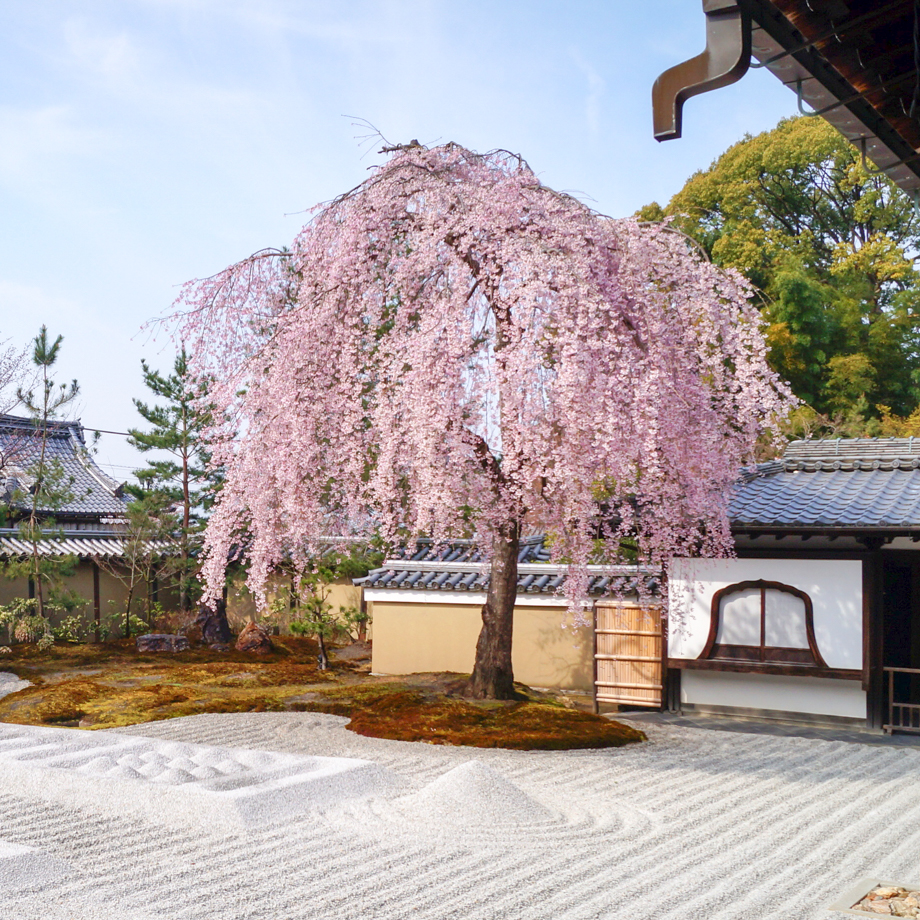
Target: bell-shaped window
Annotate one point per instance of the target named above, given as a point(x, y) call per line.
point(764, 622)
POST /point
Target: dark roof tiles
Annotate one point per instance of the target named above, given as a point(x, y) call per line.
point(94, 493)
point(857, 483)
point(459, 567)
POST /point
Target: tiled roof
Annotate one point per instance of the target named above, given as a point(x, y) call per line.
point(73, 544)
point(853, 453)
point(460, 567)
point(860, 484)
point(95, 494)
point(855, 484)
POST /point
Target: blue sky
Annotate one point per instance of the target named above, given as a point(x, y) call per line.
point(146, 142)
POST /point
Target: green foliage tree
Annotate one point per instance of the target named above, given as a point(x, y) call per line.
point(314, 614)
point(830, 248)
point(147, 535)
point(49, 488)
point(176, 487)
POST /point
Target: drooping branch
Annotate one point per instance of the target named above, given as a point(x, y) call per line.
point(451, 343)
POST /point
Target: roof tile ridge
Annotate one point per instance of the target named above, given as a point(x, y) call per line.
point(59, 427)
point(845, 448)
point(86, 461)
point(761, 470)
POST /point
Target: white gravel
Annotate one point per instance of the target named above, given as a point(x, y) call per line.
point(10, 683)
point(177, 783)
point(693, 824)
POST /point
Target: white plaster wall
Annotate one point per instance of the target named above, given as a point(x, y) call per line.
point(813, 695)
point(834, 586)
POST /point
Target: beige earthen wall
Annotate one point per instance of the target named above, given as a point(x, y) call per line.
point(414, 637)
point(112, 593)
point(241, 606)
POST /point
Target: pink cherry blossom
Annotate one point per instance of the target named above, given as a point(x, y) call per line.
point(454, 349)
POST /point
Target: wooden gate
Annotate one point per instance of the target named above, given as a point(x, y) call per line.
point(903, 716)
point(628, 654)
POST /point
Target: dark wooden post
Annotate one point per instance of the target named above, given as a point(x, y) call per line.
point(873, 634)
point(663, 622)
point(673, 690)
point(97, 601)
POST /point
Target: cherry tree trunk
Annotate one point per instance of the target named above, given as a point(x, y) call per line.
point(492, 676)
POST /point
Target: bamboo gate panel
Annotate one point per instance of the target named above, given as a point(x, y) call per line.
point(628, 654)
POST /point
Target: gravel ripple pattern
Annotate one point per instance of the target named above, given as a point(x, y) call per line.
point(10, 683)
point(694, 824)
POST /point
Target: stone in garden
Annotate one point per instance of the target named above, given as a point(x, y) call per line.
point(254, 638)
point(212, 625)
point(161, 642)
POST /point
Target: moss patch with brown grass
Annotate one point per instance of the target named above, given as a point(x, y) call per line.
point(406, 713)
point(113, 685)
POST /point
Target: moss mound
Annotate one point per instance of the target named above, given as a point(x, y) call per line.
point(401, 713)
point(112, 685)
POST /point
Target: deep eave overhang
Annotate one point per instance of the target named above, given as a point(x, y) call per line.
point(811, 73)
point(853, 64)
point(823, 530)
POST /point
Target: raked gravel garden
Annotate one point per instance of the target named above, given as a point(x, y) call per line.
point(290, 815)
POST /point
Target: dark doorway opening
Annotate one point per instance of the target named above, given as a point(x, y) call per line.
point(901, 638)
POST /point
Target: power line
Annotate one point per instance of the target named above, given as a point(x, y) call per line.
point(124, 434)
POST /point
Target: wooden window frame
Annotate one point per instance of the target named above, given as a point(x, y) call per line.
point(763, 657)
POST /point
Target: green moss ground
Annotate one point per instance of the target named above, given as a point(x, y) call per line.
point(406, 713)
point(112, 685)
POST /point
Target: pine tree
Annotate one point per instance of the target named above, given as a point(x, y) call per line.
point(50, 488)
point(178, 488)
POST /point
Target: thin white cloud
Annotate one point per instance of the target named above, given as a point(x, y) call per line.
point(114, 57)
point(143, 77)
point(596, 87)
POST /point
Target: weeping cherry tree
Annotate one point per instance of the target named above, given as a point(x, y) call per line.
point(452, 349)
